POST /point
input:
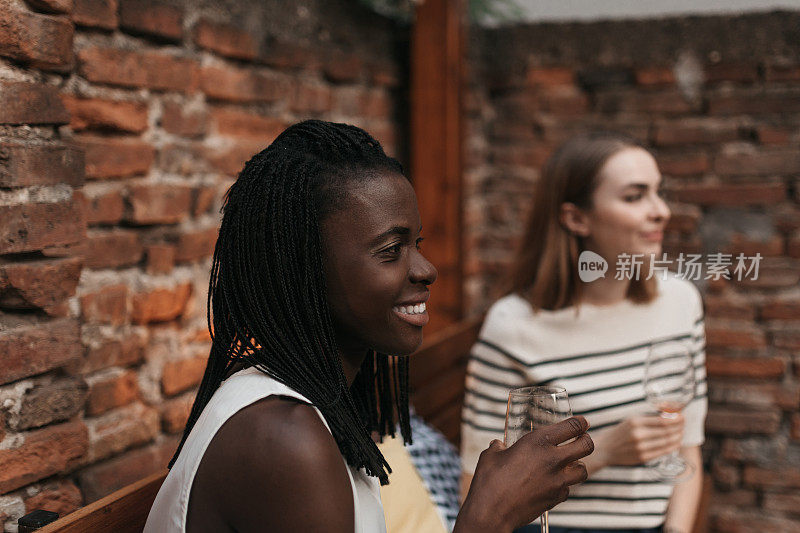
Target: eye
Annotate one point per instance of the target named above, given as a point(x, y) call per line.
point(394, 249)
point(632, 197)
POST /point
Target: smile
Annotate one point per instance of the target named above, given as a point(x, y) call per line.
point(413, 314)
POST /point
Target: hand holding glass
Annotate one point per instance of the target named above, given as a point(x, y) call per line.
point(669, 385)
point(533, 407)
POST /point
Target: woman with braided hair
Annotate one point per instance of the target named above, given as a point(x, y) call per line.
point(317, 295)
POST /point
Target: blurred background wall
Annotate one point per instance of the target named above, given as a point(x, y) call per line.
point(122, 123)
point(717, 99)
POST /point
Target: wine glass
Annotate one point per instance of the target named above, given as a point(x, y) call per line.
point(533, 407)
point(669, 385)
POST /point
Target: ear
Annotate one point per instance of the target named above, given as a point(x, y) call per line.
point(574, 219)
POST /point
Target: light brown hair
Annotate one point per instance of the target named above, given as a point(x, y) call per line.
point(545, 271)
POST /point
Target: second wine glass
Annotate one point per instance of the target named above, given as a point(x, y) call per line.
point(533, 407)
point(669, 385)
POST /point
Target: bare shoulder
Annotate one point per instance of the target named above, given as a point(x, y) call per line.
point(273, 466)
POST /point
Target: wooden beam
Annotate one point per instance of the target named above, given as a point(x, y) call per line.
point(437, 58)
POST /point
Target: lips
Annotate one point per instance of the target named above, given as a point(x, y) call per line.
point(654, 236)
point(413, 312)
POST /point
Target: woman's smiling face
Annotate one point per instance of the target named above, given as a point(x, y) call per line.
point(376, 277)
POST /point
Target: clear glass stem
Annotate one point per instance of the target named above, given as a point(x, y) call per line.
point(545, 522)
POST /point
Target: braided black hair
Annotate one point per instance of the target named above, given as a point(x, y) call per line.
point(267, 291)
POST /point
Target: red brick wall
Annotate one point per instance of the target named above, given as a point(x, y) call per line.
point(122, 123)
point(718, 101)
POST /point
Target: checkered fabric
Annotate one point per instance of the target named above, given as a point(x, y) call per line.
point(439, 466)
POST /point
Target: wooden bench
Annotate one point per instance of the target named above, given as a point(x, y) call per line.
point(437, 381)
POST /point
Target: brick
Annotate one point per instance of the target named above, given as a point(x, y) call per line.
point(98, 114)
point(54, 402)
point(112, 249)
point(341, 67)
point(38, 284)
point(182, 375)
point(726, 476)
point(731, 421)
point(749, 367)
point(782, 73)
point(757, 163)
point(741, 244)
point(116, 157)
point(156, 203)
point(785, 478)
point(121, 430)
point(175, 413)
point(103, 205)
point(754, 102)
point(774, 273)
point(106, 305)
point(153, 19)
point(756, 395)
point(732, 334)
point(728, 194)
point(30, 346)
point(785, 503)
point(728, 306)
point(596, 78)
point(116, 391)
point(348, 101)
point(104, 478)
point(29, 103)
point(731, 72)
point(786, 335)
point(196, 245)
point(96, 14)
point(232, 158)
point(183, 158)
point(52, 6)
point(692, 164)
point(154, 70)
point(203, 200)
point(773, 135)
point(105, 348)
point(24, 165)
point(225, 39)
point(30, 227)
point(664, 102)
point(62, 497)
point(684, 218)
point(309, 97)
point(549, 76)
point(160, 258)
point(43, 453)
point(289, 54)
point(741, 498)
point(235, 123)
point(40, 41)
point(654, 76)
point(243, 85)
point(780, 308)
point(693, 131)
point(759, 450)
point(160, 304)
point(384, 74)
point(184, 120)
point(794, 426)
point(739, 520)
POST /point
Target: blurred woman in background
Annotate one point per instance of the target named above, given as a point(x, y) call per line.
point(598, 193)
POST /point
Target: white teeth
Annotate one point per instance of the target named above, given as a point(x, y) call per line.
point(411, 309)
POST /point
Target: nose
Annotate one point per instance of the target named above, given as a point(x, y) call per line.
point(422, 270)
point(660, 210)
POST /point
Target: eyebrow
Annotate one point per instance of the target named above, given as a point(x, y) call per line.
point(395, 230)
point(641, 186)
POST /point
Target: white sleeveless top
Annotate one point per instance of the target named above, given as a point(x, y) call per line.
point(169, 511)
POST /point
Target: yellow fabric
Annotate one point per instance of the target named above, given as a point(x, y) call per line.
point(407, 504)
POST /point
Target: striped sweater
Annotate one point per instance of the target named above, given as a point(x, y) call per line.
point(598, 355)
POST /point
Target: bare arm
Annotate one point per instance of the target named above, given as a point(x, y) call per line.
point(686, 496)
point(266, 468)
